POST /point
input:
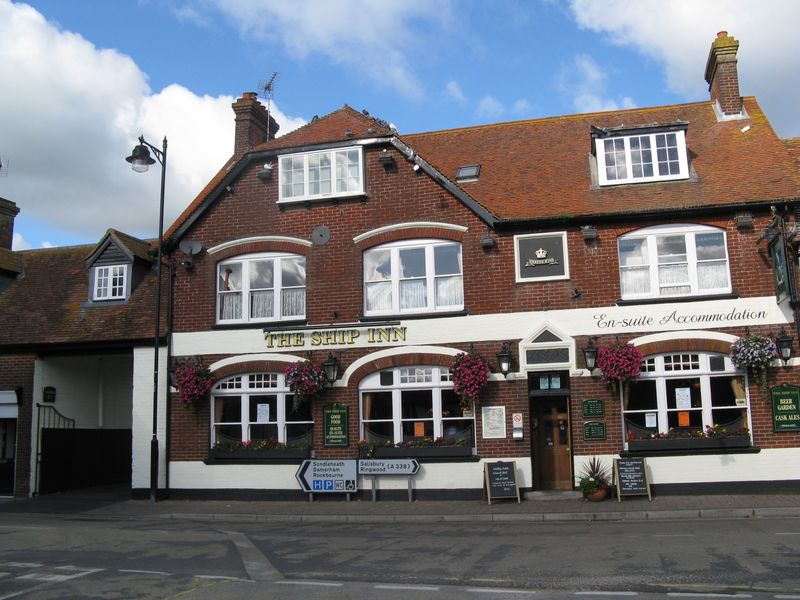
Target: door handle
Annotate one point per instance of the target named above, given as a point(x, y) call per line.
point(567, 449)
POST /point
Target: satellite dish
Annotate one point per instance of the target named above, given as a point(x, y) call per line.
point(320, 235)
point(191, 247)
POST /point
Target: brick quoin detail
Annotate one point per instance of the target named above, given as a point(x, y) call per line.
point(439, 233)
point(400, 360)
point(255, 366)
point(260, 246)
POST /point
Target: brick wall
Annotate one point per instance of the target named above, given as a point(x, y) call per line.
point(16, 373)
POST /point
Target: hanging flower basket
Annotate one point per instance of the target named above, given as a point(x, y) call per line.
point(619, 363)
point(194, 382)
point(470, 374)
point(754, 353)
point(305, 380)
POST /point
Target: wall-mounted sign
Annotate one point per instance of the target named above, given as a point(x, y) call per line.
point(334, 430)
point(541, 256)
point(334, 337)
point(780, 269)
point(493, 419)
point(786, 408)
point(593, 407)
point(516, 426)
point(594, 430)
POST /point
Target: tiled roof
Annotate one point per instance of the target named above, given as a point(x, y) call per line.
point(136, 247)
point(541, 168)
point(48, 304)
point(793, 145)
point(10, 261)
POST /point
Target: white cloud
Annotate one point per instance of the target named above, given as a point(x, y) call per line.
point(76, 112)
point(490, 108)
point(189, 14)
point(678, 34)
point(19, 243)
point(376, 39)
point(454, 91)
point(46, 244)
point(585, 81)
point(522, 107)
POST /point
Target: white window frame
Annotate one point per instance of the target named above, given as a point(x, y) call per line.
point(430, 276)
point(254, 384)
point(683, 165)
point(278, 287)
point(653, 368)
point(651, 235)
point(110, 282)
point(283, 165)
point(438, 380)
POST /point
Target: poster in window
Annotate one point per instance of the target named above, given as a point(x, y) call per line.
point(494, 422)
point(262, 413)
point(683, 419)
point(683, 398)
point(650, 420)
point(780, 269)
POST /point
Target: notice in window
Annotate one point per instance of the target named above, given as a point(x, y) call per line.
point(683, 419)
point(494, 422)
point(419, 429)
point(683, 398)
point(262, 413)
point(650, 420)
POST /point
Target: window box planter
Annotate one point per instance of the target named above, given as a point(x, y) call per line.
point(244, 456)
point(421, 452)
point(698, 443)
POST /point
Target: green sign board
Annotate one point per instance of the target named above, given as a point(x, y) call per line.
point(594, 407)
point(786, 408)
point(594, 430)
point(335, 425)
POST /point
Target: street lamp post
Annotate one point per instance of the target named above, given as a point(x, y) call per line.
point(141, 160)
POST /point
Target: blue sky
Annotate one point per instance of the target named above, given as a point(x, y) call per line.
point(83, 79)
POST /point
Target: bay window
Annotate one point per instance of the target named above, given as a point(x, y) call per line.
point(317, 175)
point(412, 403)
point(258, 407)
point(413, 276)
point(673, 260)
point(683, 394)
point(261, 287)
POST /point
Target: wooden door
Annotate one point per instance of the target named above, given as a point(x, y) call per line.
point(552, 457)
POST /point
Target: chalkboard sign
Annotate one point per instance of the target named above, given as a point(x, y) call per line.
point(594, 430)
point(500, 479)
point(630, 476)
point(594, 407)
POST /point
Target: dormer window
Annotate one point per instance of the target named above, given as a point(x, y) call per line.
point(110, 282)
point(645, 156)
point(467, 173)
point(319, 175)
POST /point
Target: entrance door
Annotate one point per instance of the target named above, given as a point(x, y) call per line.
point(552, 459)
point(8, 445)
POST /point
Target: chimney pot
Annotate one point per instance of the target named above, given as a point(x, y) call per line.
point(722, 74)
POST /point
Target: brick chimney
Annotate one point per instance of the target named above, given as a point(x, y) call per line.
point(8, 211)
point(722, 75)
point(251, 124)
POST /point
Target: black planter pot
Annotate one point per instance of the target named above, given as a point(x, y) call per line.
point(422, 452)
point(242, 456)
point(698, 443)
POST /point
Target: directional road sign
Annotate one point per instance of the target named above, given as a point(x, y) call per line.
point(328, 476)
point(388, 466)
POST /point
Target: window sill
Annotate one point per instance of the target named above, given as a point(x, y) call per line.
point(673, 299)
point(407, 316)
point(267, 325)
point(332, 199)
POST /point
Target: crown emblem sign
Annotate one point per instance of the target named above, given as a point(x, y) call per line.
point(541, 253)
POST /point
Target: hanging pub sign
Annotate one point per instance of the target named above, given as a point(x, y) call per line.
point(780, 269)
point(786, 408)
point(541, 256)
point(334, 431)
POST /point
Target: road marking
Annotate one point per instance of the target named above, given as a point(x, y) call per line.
point(21, 565)
point(673, 535)
point(787, 533)
point(222, 577)
point(256, 564)
point(143, 572)
point(317, 583)
point(498, 591)
point(606, 593)
point(54, 578)
point(15, 594)
point(787, 597)
point(706, 595)
point(421, 588)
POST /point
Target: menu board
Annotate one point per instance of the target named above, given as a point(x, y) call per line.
point(630, 476)
point(500, 480)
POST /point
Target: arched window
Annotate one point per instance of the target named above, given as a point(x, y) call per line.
point(673, 260)
point(413, 276)
point(685, 392)
point(261, 287)
point(411, 403)
point(258, 407)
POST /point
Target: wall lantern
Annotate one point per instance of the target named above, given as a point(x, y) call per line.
point(265, 174)
point(487, 242)
point(386, 159)
point(589, 233)
point(784, 344)
point(590, 354)
point(504, 358)
point(743, 219)
point(331, 367)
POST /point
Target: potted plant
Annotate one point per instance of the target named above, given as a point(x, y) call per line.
point(425, 447)
point(305, 379)
point(683, 438)
point(754, 353)
point(470, 375)
point(619, 363)
point(254, 451)
point(193, 382)
point(594, 480)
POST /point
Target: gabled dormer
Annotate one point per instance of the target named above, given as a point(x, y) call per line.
point(116, 266)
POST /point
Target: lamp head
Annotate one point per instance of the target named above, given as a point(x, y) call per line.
point(140, 159)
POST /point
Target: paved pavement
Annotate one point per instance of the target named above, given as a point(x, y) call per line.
point(115, 503)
